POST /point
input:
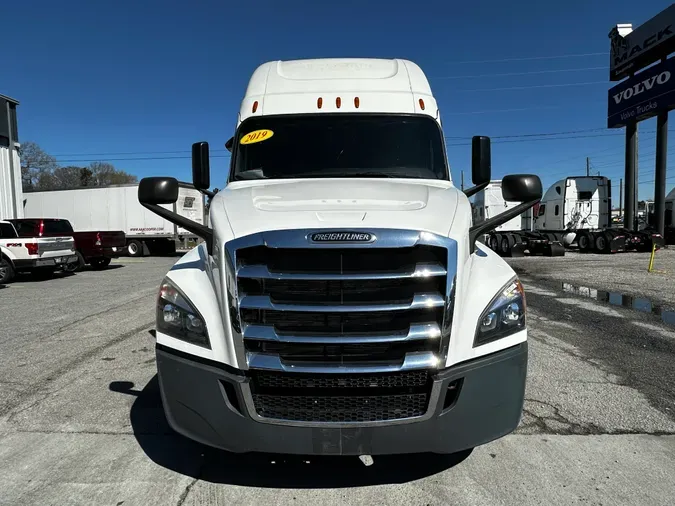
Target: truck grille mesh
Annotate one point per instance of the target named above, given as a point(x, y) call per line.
point(340, 397)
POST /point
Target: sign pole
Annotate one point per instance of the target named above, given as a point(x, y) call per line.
point(629, 190)
point(660, 172)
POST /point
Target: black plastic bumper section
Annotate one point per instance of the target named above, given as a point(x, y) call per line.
point(480, 401)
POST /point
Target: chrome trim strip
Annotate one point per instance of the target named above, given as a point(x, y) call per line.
point(412, 361)
point(416, 332)
point(422, 270)
point(434, 397)
point(420, 301)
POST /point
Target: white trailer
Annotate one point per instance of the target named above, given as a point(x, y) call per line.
point(10, 164)
point(116, 208)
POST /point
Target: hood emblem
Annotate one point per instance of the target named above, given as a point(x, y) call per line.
point(341, 236)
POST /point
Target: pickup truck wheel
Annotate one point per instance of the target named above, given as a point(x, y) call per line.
point(135, 248)
point(6, 271)
point(100, 263)
point(76, 266)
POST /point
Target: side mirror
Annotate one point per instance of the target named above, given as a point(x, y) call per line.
point(481, 160)
point(521, 188)
point(201, 171)
point(481, 164)
point(158, 190)
point(154, 191)
point(525, 188)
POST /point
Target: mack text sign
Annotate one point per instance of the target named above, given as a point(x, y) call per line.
point(643, 95)
point(648, 43)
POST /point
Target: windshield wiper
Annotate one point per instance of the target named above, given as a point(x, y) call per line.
point(249, 175)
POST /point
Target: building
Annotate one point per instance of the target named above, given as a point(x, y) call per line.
point(11, 194)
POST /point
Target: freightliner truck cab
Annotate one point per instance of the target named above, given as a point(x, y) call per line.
point(339, 303)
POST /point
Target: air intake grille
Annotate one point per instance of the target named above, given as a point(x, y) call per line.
point(340, 397)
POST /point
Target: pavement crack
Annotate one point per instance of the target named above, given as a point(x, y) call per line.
point(94, 315)
point(77, 360)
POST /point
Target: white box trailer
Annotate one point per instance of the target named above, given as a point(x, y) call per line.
point(10, 164)
point(117, 208)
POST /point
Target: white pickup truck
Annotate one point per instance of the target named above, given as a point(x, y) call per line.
point(340, 303)
point(42, 255)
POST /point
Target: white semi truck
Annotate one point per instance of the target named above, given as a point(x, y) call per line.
point(339, 303)
point(116, 208)
point(574, 211)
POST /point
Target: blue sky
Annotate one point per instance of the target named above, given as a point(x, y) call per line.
point(137, 82)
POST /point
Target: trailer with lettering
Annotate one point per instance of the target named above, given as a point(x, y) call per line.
point(117, 208)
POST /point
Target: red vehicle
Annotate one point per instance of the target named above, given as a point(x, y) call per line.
point(94, 248)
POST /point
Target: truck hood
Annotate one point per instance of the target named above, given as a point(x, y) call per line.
point(255, 206)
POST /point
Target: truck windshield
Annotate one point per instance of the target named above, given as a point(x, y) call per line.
point(339, 145)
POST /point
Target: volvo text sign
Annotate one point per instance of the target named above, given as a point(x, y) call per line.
point(643, 95)
point(632, 50)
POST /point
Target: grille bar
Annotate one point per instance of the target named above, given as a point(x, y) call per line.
point(410, 362)
point(419, 301)
point(421, 270)
point(416, 332)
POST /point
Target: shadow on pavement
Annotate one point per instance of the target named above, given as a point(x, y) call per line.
point(179, 454)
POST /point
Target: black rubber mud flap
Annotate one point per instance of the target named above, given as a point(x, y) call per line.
point(557, 249)
point(617, 244)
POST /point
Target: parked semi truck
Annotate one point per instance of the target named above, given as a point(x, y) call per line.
point(116, 208)
point(574, 212)
point(340, 303)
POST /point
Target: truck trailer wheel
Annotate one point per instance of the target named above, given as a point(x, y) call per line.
point(6, 271)
point(602, 243)
point(584, 242)
point(507, 242)
point(135, 248)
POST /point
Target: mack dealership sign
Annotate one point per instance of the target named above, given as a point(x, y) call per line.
point(643, 95)
point(648, 43)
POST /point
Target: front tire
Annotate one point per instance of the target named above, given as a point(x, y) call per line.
point(6, 271)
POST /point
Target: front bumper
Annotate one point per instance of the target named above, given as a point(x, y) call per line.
point(488, 406)
point(55, 262)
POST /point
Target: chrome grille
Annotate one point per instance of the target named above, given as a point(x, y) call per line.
point(339, 309)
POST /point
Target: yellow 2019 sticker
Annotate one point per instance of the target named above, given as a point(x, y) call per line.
point(256, 136)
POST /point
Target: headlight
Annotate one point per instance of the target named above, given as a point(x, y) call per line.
point(504, 316)
point(177, 317)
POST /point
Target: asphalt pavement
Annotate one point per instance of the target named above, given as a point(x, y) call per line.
point(81, 419)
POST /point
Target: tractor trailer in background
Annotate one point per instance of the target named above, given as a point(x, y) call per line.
point(117, 208)
point(574, 211)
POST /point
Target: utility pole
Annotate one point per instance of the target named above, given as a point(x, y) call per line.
point(620, 197)
point(462, 180)
point(588, 166)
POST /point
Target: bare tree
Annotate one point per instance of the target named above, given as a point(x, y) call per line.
point(35, 164)
point(105, 174)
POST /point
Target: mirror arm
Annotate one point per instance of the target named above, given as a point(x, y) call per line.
point(500, 219)
point(475, 189)
point(205, 233)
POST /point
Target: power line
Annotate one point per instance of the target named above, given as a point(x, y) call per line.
point(532, 72)
point(563, 85)
point(529, 58)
